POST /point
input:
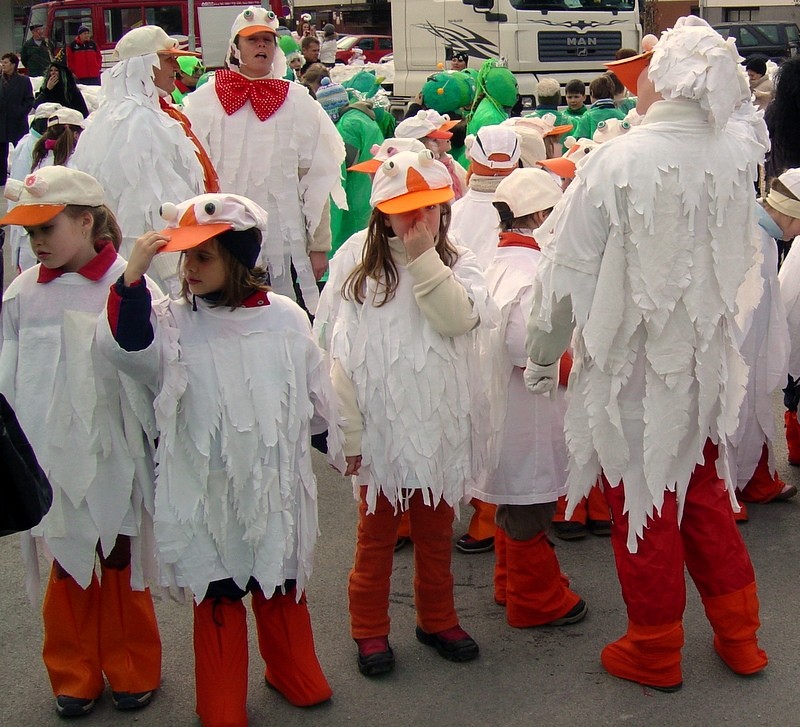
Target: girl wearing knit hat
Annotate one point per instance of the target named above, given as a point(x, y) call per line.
point(236, 508)
point(399, 317)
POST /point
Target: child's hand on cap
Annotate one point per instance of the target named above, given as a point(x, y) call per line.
point(144, 250)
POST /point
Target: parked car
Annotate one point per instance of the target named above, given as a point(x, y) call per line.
point(375, 47)
point(774, 40)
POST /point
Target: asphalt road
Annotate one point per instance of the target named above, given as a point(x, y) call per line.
point(545, 676)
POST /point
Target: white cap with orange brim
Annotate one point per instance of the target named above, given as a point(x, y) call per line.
point(410, 180)
point(45, 193)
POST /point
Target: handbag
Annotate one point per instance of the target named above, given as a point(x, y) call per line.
point(25, 492)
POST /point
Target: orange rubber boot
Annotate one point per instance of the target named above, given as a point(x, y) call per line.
point(792, 427)
point(286, 642)
point(734, 618)
point(500, 567)
point(220, 662)
point(72, 636)
point(535, 592)
point(647, 655)
point(130, 646)
point(764, 486)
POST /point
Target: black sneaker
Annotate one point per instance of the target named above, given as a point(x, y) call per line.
point(73, 706)
point(574, 615)
point(125, 701)
point(401, 543)
point(601, 528)
point(569, 531)
point(468, 544)
point(453, 644)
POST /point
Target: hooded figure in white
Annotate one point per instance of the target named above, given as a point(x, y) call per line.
point(138, 153)
point(644, 259)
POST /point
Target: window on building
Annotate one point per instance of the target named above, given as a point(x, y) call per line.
point(734, 15)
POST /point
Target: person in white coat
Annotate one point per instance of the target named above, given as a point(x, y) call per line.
point(528, 459)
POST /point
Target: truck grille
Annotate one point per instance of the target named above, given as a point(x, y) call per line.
point(557, 46)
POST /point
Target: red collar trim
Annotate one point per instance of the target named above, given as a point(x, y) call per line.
point(514, 239)
point(94, 270)
point(256, 300)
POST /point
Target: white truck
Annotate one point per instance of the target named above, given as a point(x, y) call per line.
point(564, 39)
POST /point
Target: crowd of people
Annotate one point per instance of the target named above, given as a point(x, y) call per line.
point(570, 318)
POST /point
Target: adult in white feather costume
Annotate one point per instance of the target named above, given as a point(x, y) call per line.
point(241, 384)
point(269, 140)
point(137, 145)
point(644, 261)
point(399, 316)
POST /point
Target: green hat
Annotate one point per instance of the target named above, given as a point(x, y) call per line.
point(189, 64)
point(448, 91)
point(365, 82)
point(498, 83)
point(288, 44)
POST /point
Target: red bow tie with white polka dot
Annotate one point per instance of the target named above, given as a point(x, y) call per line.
point(233, 91)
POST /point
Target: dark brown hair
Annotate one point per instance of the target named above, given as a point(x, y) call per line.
point(376, 258)
point(601, 87)
point(105, 225)
point(240, 281)
point(66, 138)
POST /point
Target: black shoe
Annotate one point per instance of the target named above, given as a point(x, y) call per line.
point(569, 531)
point(73, 706)
point(453, 644)
point(601, 528)
point(574, 615)
point(401, 543)
point(468, 544)
point(375, 656)
point(131, 700)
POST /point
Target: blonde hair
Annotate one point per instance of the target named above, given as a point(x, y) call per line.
point(376, 258)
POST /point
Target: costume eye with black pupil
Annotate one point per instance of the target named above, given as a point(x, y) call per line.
point(210, 208)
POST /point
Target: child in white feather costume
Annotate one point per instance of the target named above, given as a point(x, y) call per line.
point(399, 316)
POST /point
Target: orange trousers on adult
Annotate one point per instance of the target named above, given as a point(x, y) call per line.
point(107, 628)
point(708, 543)
point(286, 643)
point(764, 486)
point(370, 578)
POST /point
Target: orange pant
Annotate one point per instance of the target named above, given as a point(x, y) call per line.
point(369, 585)
point(481, 525)
point(764, 486)
point(593, 507)
point(106, 629)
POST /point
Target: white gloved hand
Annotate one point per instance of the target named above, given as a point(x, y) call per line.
point(541, 379)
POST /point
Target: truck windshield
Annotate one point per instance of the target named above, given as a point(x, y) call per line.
point(582, 5)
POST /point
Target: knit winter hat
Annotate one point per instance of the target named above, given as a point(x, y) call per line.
point(332, 97)
point(410, 180)
point(46, 192)
point(200, 218)
point(547, 87)
point(524, 192)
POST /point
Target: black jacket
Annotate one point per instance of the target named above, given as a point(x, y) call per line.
point(16, 100)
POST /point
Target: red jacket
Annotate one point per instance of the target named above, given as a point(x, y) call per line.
point(84, 59)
